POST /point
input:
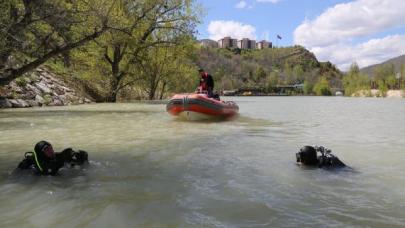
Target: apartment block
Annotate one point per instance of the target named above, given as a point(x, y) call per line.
point(209, 43)
point(227, 42)
point(246, 43)
point(264, 44)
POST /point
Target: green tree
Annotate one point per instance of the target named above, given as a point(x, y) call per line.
point(322, 88)
point(260, 74)
point(163, 65)
point(157, 23)
point(289, 74)
point(308, 87)
point(271, 81)
point(35, 31)
point(145, 24)
point(384, 71)
point(298, 73)
point(354, 80)
point(391, 81)
point(382, 87)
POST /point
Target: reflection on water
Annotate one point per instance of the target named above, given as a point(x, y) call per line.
point(148, 169)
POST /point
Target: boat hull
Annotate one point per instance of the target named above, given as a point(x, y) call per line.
point(200, 106)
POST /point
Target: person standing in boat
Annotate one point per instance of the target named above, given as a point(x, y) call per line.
point(206, 83)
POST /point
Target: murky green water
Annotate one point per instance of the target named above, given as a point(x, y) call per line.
point(148, 169)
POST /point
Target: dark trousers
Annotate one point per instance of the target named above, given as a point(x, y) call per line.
point(210, 92)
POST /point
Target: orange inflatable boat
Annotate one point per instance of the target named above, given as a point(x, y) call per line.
point(200, 106)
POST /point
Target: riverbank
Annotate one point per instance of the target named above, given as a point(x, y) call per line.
point(39, 88)
point(378, 93)
point(396, 93)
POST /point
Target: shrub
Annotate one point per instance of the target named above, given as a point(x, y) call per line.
point(21, 81)
point(321, 88)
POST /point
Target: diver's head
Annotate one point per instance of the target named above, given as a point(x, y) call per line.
point(307, 156)
point(44, 150)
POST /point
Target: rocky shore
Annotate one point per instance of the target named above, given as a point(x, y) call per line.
point(378, 93)
point(39, 88)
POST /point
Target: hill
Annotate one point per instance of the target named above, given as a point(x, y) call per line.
point(397, 62)
point(266, 68)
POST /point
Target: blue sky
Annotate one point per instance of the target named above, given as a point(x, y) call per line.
point(340, 31)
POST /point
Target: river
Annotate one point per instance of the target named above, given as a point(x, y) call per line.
point(150, 169)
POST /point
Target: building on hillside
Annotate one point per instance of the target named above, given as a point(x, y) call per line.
point(246, 43)
point(208, 43)
point(264, 44)
point(227, 42)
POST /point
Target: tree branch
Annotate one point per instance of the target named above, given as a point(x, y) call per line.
point(11, 74)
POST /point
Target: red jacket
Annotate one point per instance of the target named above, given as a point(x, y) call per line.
point(206, 82)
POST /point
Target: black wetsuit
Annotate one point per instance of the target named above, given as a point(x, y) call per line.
point(330, 161)
point(42, 166)
point(210, 82)
point(308, 156)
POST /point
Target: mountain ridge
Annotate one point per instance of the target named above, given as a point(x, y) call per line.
point(397, 61)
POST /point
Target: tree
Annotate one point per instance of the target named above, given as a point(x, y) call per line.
point(308, 87)
point(153, 23)
point(36, 31)
point(260, 74)
point(163, 65)
point(354, 80)
point(322, 88)
point(298, 73)
point(289, 75)
point(391, 81)
point(382, 87)
point(384, 71)
point(272, 81)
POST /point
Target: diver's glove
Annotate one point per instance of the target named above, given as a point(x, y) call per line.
point(80, 157)
point(66, 155)
point(73, 157)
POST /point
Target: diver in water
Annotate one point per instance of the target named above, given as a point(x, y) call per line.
point(44, 161)
point(308, 156)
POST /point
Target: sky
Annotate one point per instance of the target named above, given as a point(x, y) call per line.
point(343, 32)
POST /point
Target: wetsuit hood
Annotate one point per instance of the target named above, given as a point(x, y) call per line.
point(39, 149)
point(308, 155)
point(39, 155)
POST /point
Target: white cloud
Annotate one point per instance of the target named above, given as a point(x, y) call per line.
point(364, 54)
point(238, 30)
point(331, 34)
point(242, 4)
point(272, 1)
